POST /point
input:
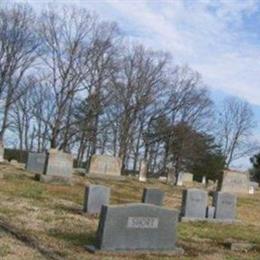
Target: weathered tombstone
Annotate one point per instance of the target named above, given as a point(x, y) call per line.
point(105, 165)
point(153, 196)
point(143, 171)
point(204, 180)
point(187, 177)
point(235, 182)
point(14, 162)
point(254, 184)
point(136, 227)
point(95, 197)
point(251, 190)
point(210, 212)
point(171, 178)
point(2, 152)
point(225, 205)
point(36, 162)
point(194, 203)
point(179, 179)
point(59, 167)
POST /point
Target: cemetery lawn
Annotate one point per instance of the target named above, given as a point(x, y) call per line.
point(44, 221)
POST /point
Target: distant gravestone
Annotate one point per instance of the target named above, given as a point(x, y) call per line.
point(235, 182)
point(95, 197)
point(59, 167)
point(254, 184)
point(194, 203)
point(136, 227)
point(171, 177)
point(36, 162)
point(187, 177)
point(210, 212)
point(2, 152)
point(153, 196)
point(204, 180)
point(179, 179)
point(225, 205)
point(105, 165)
point(251, 190)
point(143, 171)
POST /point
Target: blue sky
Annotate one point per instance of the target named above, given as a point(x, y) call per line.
point(218, 38)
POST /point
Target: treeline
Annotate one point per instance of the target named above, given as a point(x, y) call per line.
point(71, 81)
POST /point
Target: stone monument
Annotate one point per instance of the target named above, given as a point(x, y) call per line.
point(136, 228)
point(153, 196)
point(143, 171)
point(95, 197)
point(36, 162)
point(194, 204)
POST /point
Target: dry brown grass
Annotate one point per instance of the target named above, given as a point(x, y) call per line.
point(50, 217)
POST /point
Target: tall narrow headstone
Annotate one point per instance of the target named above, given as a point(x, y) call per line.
point(225, 205)
point(204, 180)
point(143, 171)
point(194, 203)
point(95, 197)
point(179, 179)
point(153, 196)
point(1, 152)
point(171, 178)
point(136, 227)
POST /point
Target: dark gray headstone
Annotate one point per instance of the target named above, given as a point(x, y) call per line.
point(36, 162)
point(153, 196)
point(136, 227)
point(210, 212)
point(95, 197)
point(225, 204)
point(194, 203)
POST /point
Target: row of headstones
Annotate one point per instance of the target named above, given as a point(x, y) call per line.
point(195, 205)
point(194, 202)
point(147, 226)
point(98, 195)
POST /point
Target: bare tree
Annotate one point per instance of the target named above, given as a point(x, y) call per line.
point(235, 129)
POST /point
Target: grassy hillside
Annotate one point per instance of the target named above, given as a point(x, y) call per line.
point(41, 221)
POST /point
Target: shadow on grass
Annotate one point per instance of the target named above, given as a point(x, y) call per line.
point(76, 239)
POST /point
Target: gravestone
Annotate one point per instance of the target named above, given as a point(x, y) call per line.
point(179, 179)
point(225, 205)
point(254, 184)
point(2, 152)
point(194, 203)
point(210, 212)
point(171, 178)
point(235, 182)
point(95, 197)
point(251, 190)
point(187, 177)
point(153, 196)
point(136, 227)
point(59, 167)
point(204, 180)
point(143, 171)
point(36, 162)
point(105, 165)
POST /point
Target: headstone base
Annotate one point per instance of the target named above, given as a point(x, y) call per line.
point(211, 220)
point(177, 251)
point(106, 177)
point(53, 179)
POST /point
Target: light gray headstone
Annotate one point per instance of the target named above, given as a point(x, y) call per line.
point(179, 179)
point(95, 197)
point(36, 162)
point(133, 227)
point(143, 171)
point(254, 184)
point(171, 177)
point(235, 182)
point(187, 177)
point(204, 180)
point(225, 205)
point(2, 152)
point(153, 196)
point(59, 164)
point(194, 203)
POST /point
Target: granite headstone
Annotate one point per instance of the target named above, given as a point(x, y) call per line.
point(95, 197)
point(36, 162)
point(143, 171)
point(225, 205)
point(153, 196)
point(194, 203)
point(136, 227)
